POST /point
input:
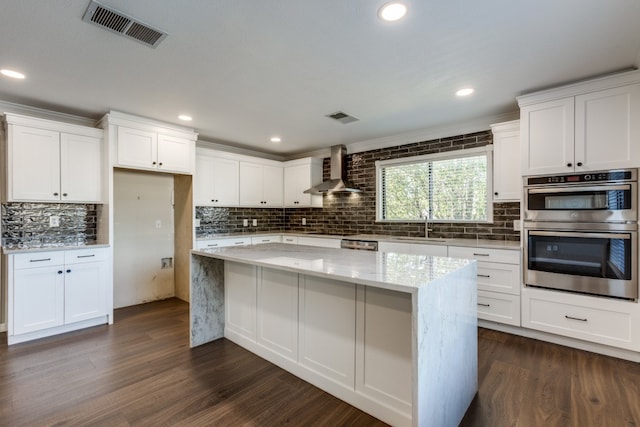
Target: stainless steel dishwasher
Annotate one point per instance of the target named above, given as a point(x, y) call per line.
point(359, 245)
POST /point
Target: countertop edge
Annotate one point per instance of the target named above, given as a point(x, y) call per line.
point(53, 249)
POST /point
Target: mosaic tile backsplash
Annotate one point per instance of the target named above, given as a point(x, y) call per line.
point(354, 213)
point(26, 225)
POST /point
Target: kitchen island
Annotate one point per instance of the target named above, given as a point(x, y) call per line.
point(392, 334)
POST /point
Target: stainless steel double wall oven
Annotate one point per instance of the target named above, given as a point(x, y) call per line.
point(581, 232)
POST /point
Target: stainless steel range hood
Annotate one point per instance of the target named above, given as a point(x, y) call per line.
point(336, 184)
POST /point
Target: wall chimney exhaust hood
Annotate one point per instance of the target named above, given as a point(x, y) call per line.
point(336, 184)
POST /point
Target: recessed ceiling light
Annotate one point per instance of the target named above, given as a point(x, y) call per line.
point(185, 118)
point(465, 92)
point(276, 139)
point(392, 11)
point(11, 73)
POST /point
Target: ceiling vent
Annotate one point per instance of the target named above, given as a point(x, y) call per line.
point(342, 117)
point(123, 24)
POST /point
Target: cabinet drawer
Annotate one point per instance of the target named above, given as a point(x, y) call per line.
point(222, 243)
point(599, 321)
point(85, 255)
point(38, 259)
point(496, 277)
point(265, 239)
point(292, 240)
point(497, 307)
point(482, 254)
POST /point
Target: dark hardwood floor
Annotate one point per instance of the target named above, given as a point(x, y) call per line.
point(140, 371)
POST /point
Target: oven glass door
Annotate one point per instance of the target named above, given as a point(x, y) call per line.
point(601, 255)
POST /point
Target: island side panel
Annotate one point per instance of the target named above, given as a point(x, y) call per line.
point(446, 348)
point(206, 304)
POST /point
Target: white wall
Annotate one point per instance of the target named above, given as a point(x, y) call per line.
point(140, 200)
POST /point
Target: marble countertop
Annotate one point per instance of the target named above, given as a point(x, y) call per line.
point(474, 243)
point(394, 271)
point(11, 251)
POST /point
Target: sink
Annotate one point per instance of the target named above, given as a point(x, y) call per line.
point(422, 239)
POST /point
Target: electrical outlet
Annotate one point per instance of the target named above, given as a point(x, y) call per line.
point(54, 221)
point(196, 222)
point(516, 224)
point(158, 223)
point(166, 263)
point(245, 222)
point(304, 221)
point(255, 222)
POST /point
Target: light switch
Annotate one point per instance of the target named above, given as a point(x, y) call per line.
point(158, 223)
point(245, 222)
point(54, 221)
point(255, 222)
point(304, 221)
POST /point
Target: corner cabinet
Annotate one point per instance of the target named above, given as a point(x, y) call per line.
point(149, 145)
point(507, 178)
point(299, 175)
point(57, 291)
point(49, 161)
point(588, 126)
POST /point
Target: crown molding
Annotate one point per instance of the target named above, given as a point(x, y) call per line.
point(218, 146)
point(41, 113)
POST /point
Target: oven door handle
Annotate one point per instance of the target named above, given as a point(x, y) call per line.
point(577, 189)
point(625, 236)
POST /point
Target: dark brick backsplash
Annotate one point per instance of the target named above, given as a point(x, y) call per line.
point(26, 225)
point(354, 213)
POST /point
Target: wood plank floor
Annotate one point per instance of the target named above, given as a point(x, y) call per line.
point(141, 372)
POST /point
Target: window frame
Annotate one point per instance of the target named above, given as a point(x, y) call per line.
point(486, 150)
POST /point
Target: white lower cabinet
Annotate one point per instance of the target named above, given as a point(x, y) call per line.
point(498, 282)
point(321, 242)
point(413, 248)
point(54, 289)
point(328, 328)
point(593, 319)
point(266, 239)
point(353, 341)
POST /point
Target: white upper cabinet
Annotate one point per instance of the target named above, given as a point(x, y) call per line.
point(507, 178)
point(260, 185)
point(52, 162)
point(216, 180)
point(142, 149)
point(300, 175)
point(150, 145)
point(582, 127)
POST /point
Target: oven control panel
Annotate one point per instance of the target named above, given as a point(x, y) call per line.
point(620, 175)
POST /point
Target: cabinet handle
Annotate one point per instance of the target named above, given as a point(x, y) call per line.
point(160, 164)
point(575, 318)
point(483, 275)
point(238, 243)
point(64, 194)
point(55, 194)
point(495, 194)
point(475, 254)
point(86, 256)
point(59, 271)
point(569, 165)
point(484, 305)
point(212, 245)
point(579, 163)
point(265, 241)
point(69, 271)
point(40, 260)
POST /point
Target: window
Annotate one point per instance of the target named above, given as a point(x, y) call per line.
point(445, 187)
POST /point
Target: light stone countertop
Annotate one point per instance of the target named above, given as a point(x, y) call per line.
point(473, 243)
point(52, 248)
point(394, 271)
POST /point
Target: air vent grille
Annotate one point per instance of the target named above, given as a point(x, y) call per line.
point(342, 117)
point(120, 23)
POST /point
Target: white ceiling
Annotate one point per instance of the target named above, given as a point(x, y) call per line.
point(250, 69)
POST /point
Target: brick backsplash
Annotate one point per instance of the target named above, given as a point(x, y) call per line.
point(355, 213)
point(26, 225)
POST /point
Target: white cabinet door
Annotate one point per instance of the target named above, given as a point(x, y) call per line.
point(174, 154)
point(80, 168)
point(327, 328)
point(278, 312)
point(547, 137)
point(240, 295)
point(507, 179)
point(250, 184)
point(320, 242)
point(413, 248)
point(137, 148)
point(607, 129)
point(226, 182)
point(38, 298)
point(272, 186)
point(34, 164)
point(84, 291)
point(203, 181)
point(298, 178)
